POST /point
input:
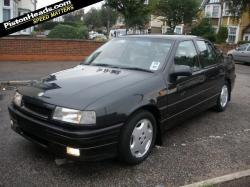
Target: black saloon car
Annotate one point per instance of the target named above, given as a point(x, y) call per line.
point(122, 98)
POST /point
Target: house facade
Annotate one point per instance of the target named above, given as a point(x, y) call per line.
point(219, 14)
point(10, 9)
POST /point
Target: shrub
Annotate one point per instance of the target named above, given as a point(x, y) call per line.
point(243, 42)
point(210, 36)
point(64, 31)
point(69, 32)
point(83, 32)
point(222, 35)
point(48, 25)
point(205, 30)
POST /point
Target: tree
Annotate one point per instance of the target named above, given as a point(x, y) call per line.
point(222, 35)
point(178, 11)
point(93, 19)
point(237, 7)
point(135, 12)
point(108, 17)
point(69, 32)
point(205, 30)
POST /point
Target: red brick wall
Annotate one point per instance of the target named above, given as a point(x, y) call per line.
point(33, 49)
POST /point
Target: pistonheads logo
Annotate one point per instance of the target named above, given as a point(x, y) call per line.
point(40, 94)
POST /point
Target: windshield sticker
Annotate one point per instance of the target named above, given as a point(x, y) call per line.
point(155, 66)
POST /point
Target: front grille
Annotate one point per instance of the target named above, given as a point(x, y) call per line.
point(41, 110)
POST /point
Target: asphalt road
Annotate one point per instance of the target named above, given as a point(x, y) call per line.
point(208, 145)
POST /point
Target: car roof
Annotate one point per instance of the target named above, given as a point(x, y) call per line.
point(170, 37)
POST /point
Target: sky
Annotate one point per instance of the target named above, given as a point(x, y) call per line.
point(43, 3)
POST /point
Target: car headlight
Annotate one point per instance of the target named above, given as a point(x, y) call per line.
point(75, 116)
point(18, 99)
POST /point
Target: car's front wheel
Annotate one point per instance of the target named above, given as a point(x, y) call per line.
point(223, 98)
point(137, 138)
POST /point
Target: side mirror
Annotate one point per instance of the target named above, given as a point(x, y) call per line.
point(180, 71)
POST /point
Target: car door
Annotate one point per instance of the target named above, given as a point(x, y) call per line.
point(246, 55)
point(239, 53)
point(185, 93)
point(213, 69)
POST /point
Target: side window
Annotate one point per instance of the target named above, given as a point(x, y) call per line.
point(243, 47)
point(186, 54)
point(207, 53)
point(248, 48)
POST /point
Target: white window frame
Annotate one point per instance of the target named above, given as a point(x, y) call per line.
point(6, 5)
point(246, 35)
point(218, 13)
point(209, 10)
point(234, 35)
point(8, 8)
point(226, 10)
point(178, 28)
point(26, 31)
point(214, 1)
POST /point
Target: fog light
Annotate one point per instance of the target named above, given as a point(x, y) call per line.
point(73, 152)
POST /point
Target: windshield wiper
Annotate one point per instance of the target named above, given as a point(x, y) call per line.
point(106, 65)
point(137, 69)
point(123, 67)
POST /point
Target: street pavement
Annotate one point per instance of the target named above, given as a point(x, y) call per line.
point(209, 145)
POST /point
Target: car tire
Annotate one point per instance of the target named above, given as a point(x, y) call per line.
point(223, 98)
point(137, 138)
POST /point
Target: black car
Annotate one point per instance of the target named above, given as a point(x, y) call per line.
point(122, 98)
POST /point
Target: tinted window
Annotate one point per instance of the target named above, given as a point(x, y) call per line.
point(207, 53)
point(186, 54)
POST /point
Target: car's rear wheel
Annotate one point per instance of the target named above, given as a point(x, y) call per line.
point(137, 138)
point(223, 98)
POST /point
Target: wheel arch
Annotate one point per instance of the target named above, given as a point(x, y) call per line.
point(156, 113)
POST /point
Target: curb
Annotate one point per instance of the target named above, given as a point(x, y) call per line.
point(241, 178)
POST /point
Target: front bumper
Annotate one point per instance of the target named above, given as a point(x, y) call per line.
point(98, 144)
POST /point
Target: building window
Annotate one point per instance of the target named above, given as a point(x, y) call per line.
point(216, 11)
point(212, 11)
point(214, 1)
point(6, 14)
point(208, 11)
point(232, 34)
point(246, 38)
point(6, 2)
point(178, 30)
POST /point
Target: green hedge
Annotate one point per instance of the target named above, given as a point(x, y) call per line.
point(69, 32)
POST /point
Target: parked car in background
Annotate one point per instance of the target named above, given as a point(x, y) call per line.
point(114, 33)
point(241, 53)
point(96, 36)
point(123, 97)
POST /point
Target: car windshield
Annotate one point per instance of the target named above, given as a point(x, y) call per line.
point(145, 54)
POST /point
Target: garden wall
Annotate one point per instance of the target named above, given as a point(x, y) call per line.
point(35, 49)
